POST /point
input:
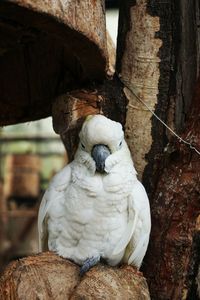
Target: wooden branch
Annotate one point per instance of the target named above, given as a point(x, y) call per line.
point(48, 276)
point(69, 110)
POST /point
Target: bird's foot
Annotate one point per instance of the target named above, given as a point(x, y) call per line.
point(89, 263)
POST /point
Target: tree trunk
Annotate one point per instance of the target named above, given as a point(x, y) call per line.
point(173, 257)
point(138, 67)
point(158, 60)
point(48, 276)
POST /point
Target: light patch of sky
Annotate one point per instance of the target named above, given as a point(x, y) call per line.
point(41, 127)
point(112, 22)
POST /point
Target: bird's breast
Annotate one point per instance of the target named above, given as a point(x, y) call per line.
point(93, 218)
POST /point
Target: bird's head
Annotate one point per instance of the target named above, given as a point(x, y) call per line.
point(100, 138)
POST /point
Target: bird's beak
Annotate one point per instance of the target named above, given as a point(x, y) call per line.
point(99, 154)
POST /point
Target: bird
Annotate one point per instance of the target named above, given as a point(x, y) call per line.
point(95, 209)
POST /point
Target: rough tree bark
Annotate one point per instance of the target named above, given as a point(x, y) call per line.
point(173, 258)
point(158, 58)
point(138, 67)
point(48, 276)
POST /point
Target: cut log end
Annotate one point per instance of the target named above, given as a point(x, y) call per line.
point(48, 276)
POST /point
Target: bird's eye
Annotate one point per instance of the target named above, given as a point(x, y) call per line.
point(120, 144)
point(82, 146)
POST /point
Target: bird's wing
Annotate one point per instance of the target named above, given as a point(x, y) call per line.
point(138, 243)
point(136, 237)
point(58, 185)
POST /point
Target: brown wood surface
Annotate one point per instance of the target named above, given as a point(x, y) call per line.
point(173, 256)
point(47, 48)
point(48, 276)
point(22, 178)
point(158, 57)
point(70, 109)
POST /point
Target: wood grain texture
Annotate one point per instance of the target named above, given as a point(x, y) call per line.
point(70, 109)
point(47, 48)
point(173, 255)
point(104, 282)
point(48, 276)
point(158, 56)
point(179, 67)
point(139, 69)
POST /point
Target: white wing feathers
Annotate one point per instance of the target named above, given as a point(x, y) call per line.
point(132, 221)
point(140, 238)
point(136, 236)
point(57, 185)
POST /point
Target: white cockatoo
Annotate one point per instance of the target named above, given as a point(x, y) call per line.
point(95, 207)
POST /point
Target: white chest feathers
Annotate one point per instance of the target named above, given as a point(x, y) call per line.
point(90, 216)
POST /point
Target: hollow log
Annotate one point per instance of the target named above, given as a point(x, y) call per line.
point(173, 256)
point(48, 276)
point(48, 48)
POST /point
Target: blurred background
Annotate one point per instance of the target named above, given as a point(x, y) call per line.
point(30, 154)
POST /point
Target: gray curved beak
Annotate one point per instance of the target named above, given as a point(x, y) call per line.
point(99, 154)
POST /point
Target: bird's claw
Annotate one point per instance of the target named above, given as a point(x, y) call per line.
point(89, 263)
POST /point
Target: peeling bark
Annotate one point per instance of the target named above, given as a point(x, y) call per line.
point(139, 68)
point(158, 57)
point(172, 260)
